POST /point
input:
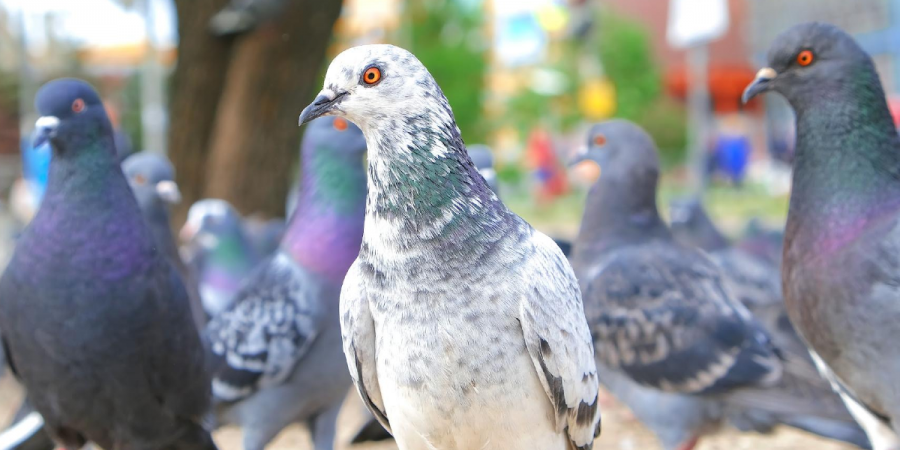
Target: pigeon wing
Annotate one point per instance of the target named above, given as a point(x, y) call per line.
point(661, 314)
point(559, 342)
point(258, 341)
point(358, 332)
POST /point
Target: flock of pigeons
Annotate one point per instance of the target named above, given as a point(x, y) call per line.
point(462, 327)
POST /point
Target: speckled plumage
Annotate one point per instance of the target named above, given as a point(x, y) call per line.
point(278, 347)
point(462, 325)
point(666, 328)
point(841, 268)
point(96, 320)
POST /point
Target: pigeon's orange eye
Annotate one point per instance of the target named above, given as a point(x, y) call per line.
point(139, 180)
point(339, 124)
point(372, 75)
point(805, 58)
point(78, 105)
point(599, 140)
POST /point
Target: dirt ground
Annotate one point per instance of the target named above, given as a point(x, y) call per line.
point(620, 431)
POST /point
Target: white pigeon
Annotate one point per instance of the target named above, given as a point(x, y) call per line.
point(463, 327)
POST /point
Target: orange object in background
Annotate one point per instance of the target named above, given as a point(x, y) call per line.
point(726, 85)
point(548, 169)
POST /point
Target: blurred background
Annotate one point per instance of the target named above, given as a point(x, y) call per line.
point(217, 85)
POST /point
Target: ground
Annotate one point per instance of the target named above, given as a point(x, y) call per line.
point(620, 431)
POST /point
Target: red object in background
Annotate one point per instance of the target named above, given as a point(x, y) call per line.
point(549, 170)
point(726, 85)
point(894, 107)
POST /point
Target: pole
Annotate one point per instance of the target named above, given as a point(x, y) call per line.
point(698, 115)
point(154, 119)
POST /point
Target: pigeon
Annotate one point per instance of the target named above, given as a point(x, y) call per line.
point(278, 347)
point(243, 16)
point(670, 338)
point(216, 246)
point(462, 325)
point(757, 285)
point(264, 234)
point(483, 158)
point(95, 321)
point(152, 180)
point(763, 242)
point(841, 268)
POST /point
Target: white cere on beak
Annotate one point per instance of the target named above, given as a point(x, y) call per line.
point(766, 73)
point(47, 122)
point(168, 191)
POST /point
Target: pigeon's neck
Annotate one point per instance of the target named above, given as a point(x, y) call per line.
point(157, 217)
point(846, 170)
point(232, 256)
point(621, 210)
point(325, 231)
point(425, 194)
point(90, 217)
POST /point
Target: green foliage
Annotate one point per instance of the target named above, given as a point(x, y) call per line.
point(627, 56)
point(446, 36)
point(628, 61)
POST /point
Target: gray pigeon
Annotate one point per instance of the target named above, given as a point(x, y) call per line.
point(152, 179)
point(841, 268)
point(462, 325)
point(757, 285)
point(671, 341)
point(242, 16)
point(483, 158)
point(96, 322)
point(219, 251)
point(278, 347)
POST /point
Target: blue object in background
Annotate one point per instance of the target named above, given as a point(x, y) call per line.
point(36, 167)
point(732, 156)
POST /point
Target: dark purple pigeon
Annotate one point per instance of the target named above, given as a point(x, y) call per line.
point(95, 320)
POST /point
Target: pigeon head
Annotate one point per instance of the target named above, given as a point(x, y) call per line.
point(622, 149)
point(72, 117)
point(376, 84)
point(811, 61)
point(152, 179)
point(692, 225)
point(210, 221)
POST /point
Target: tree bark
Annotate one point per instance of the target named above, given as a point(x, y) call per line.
point(235, 103)
point(270, 79)
point(196, 86)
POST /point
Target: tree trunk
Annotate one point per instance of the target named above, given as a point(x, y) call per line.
point(255, 142)
point(235, 103)
point(196, 86)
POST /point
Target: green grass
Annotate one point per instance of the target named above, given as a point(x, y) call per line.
point(729, 207)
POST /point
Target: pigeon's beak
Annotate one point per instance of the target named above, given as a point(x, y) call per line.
point(580, 155)
point(762, 83)
point(44, 130)
point(321, 106)
point(168, 191)
point(188, 231)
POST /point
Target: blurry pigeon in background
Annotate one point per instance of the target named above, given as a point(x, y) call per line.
point(763, 242)
point(264, 234)
point(217, 248)
point(841, 268)
point(241, 16)
point(670, 339)
point(757, 284)
point(462, 325)
point(96, 322)
point(152, 179)
point(483, 159)
point(278, 347)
